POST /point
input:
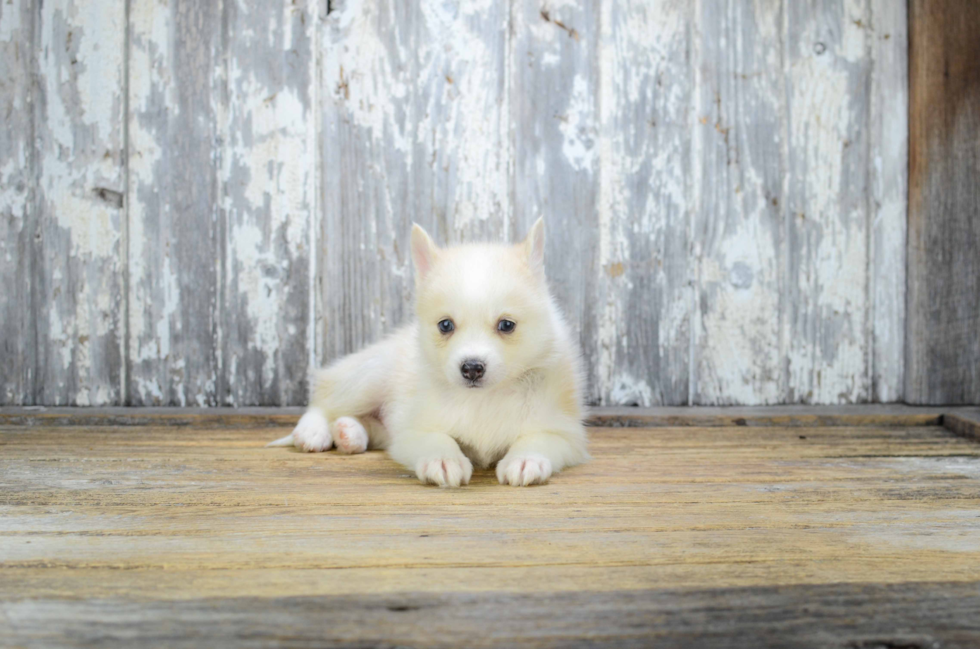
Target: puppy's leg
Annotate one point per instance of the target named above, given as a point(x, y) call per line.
point(346, 396)
point(535, 456)
point(435, 457)
point(312, 433)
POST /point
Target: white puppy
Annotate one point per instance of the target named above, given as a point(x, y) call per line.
point(487, 373)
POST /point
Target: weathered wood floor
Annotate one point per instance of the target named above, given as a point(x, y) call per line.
point(131, 536)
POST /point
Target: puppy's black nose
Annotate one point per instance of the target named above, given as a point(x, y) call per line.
point(472, 369)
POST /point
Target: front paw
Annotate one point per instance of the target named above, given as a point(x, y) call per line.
point(312, 433)
point(444, 471)
point(524, 470)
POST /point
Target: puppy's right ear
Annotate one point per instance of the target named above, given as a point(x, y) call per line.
point(424, 252)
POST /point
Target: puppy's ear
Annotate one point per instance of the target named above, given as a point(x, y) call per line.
point(534, 247)
point(424, 252)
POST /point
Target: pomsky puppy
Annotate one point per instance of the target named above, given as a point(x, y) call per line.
point(486, 374)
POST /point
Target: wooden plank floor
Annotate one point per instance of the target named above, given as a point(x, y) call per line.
point(718, 536)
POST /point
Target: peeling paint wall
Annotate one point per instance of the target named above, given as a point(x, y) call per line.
point(199, 202)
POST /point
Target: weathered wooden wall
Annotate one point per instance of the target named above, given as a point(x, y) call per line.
point(944, 203)
point(202, 200)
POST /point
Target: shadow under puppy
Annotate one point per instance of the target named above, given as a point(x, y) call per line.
point(487, 373)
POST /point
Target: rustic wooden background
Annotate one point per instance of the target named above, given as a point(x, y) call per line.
point(201, 200)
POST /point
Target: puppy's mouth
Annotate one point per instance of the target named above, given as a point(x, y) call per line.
point(478, 383)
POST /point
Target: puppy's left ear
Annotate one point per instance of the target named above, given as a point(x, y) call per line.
point(534, 247)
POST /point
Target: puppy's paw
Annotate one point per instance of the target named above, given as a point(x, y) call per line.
point(349, 435)
point(524, 470)
point(312, 433)
point(445, 471)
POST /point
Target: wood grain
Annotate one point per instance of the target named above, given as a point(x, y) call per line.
point(612, 417)
point(174, 252)
point(910, 616)
point(888, 160)
point(964, 423)
point(173, 534)
point(740, 198)
point(943, 344)
point(78, 267)
point(268, 177)
point(826, 211)
point(18, 189)
point(643, 303)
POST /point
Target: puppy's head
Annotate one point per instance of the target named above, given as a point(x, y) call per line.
point(484, 311)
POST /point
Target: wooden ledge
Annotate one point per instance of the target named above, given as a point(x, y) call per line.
point(965, 423)
point(962, 421)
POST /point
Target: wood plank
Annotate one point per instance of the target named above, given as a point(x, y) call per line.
point(554, 94)
point(764, 497)
point(889, 155)
point(965, 424)
point(942, 340)
point(857, 415)
point(644, 298)
point(79, 259)
point(741, 117)
point(18, 187)
point(174, 255)
point(415, 127)
point(909, 615)
point(268, 177)
point(827, 322)
point(672, 536)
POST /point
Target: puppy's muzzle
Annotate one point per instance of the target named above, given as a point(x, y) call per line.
point(473, 370)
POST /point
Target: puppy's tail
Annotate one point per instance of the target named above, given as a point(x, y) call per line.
point(282, 441)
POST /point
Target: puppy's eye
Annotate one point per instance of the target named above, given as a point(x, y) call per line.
point(506, 326)
point(446, 326)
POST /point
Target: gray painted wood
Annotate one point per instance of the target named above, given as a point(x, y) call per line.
point(268, 178)
point(826, 211)
point(889, 195)
point(739, 346)
point(723, 185)
point(174, 252)
point(644, 292)
point(17, 189)
point(799, 234)
point(943, 325)
point(77, 286)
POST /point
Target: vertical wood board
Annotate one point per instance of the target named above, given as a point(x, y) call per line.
point(18, 182)
point(175, 90)
point(740, 248)
point(826, 210)
point(643, 295)
point(943, 319)
point(889, 195)
point(78, 302)
point(268, 179)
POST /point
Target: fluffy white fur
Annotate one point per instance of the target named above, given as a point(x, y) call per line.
point(407, 394)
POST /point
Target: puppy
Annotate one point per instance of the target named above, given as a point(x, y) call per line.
point(486, 374)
